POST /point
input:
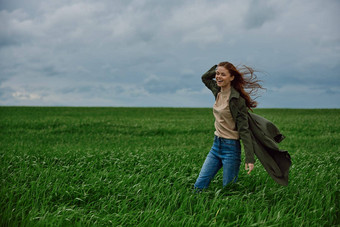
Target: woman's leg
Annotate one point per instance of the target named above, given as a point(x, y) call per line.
point(209, 169)
point(231, 160)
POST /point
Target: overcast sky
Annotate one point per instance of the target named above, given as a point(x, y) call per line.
point(153, 52)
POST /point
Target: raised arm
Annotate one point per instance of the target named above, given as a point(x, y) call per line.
point(208, 80)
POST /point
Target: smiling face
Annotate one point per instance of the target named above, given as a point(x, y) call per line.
point(223, 77)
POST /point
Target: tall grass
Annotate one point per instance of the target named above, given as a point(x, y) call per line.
point(137, 166)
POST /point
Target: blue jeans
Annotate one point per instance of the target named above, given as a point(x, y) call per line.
point(226, 153)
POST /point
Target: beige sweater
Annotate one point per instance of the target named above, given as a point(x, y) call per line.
point(224, 122)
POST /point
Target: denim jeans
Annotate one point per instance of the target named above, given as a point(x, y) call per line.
point(226, 153)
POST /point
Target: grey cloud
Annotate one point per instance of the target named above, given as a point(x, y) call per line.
point(6, 41)
point(9, 36)
point(157, 86)
point(30, 6)
point(6, 93)
point(259, 12)
point(316, 74)
point(50, 70)
point(332, 91)
point(93, 90)
point(120, 52)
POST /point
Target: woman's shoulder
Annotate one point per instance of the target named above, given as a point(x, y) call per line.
point(236, 99)
point(235, 95)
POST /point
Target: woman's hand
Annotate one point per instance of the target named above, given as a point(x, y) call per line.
point(250, 167)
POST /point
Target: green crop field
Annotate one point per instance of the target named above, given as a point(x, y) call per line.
point(137, 166)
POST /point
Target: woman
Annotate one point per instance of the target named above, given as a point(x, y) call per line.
point(231, 122)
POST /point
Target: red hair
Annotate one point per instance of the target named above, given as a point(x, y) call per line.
point(244, 79)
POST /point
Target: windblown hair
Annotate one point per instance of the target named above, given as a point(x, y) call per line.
point(245, 82)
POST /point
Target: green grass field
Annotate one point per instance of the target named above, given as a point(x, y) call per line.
point(137, 166)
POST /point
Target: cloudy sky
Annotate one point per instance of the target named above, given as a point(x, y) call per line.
point(153, 52)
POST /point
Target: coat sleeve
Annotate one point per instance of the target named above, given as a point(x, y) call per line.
point(244, 131)
point(207, 79)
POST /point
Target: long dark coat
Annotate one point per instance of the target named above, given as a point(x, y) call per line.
point(265, 139)
point(259, 136)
